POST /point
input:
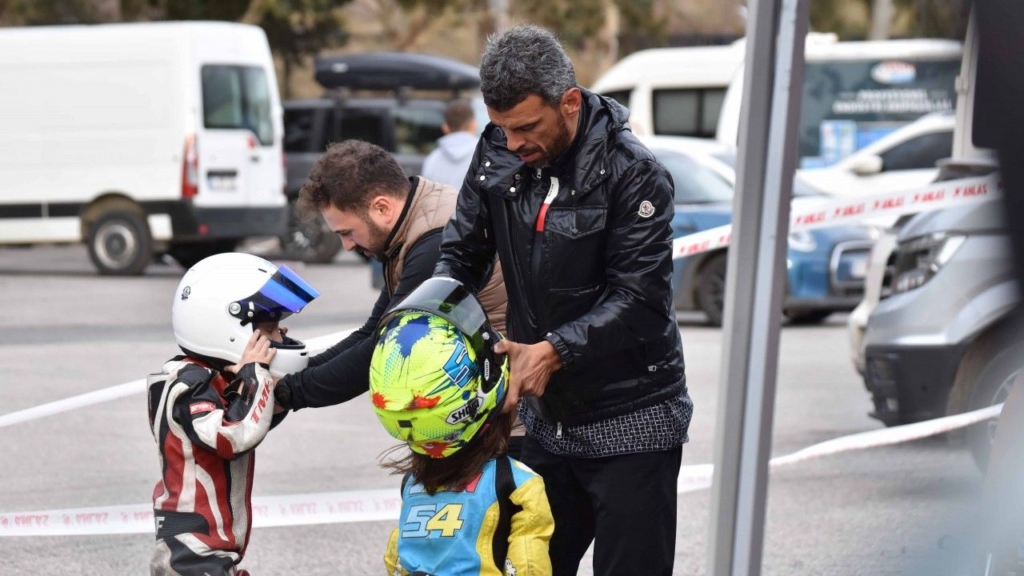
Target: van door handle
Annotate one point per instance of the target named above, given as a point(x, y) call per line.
point(254, 158)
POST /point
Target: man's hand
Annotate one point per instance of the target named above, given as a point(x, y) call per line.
point(256, 350)
point(530, 368)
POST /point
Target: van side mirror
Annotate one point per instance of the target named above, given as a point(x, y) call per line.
point(868, 165)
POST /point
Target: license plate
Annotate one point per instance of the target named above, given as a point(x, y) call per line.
point(222, 181)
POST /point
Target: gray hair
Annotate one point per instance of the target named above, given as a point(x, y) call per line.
point(522, 61)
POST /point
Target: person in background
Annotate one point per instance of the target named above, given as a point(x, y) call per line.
point(579, 213)
point(448, 162)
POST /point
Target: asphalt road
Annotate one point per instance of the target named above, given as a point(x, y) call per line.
point(66, 331)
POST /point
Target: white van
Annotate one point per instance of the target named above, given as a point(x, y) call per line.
point(855, 93)
point(673, 91)
point(140, 139)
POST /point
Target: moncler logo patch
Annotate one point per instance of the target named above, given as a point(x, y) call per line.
point(646, 209)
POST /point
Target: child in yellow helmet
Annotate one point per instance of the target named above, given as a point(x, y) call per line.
point(437, 385)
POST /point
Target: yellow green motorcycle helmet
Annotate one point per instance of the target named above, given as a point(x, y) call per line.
point(435, 380)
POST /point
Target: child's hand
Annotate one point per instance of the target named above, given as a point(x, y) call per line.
point(256, 350)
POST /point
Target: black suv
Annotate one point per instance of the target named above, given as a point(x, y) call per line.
point(408, 127)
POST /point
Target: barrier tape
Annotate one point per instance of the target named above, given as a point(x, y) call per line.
point(814, 214)
point(315, 345)
point(376, 505)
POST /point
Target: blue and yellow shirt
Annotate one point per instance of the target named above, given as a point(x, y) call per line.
point(451, 533)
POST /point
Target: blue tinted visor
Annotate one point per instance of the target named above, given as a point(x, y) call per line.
point(283, 294)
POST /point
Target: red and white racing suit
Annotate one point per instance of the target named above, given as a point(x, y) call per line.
point(206, 429)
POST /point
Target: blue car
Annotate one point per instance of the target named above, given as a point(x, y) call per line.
point(825, 267)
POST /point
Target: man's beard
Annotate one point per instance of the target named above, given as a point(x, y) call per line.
point(377, 248)
point(559, 144)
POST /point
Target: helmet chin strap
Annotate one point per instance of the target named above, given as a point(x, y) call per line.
point(286, 342)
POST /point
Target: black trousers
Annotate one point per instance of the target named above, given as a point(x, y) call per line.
point(625, 504)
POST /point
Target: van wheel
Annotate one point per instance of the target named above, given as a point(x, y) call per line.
point(997, 374)
point(119, 244)
point(311, 242)
point(711, 289)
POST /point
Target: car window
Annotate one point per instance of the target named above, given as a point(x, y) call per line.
point(687, 112)
point(361, 125)
point(417, 129)
point(237, 97)
point(694, 183)
point(848, 104)
point(298, 129)
point(919, 153)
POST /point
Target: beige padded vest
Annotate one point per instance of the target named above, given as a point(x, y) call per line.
point(432, 206)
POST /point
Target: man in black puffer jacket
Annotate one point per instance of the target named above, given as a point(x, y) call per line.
point(579, 213)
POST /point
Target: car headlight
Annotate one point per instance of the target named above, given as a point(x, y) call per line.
point(802, 241)
point(918, 260)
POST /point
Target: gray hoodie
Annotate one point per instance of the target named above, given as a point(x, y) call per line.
point(449, 162)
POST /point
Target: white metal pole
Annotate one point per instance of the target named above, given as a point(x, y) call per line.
point(756, 282)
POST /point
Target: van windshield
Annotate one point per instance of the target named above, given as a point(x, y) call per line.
point(237, 98)
point(848, 105)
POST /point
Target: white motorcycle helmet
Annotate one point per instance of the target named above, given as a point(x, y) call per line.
point(219, 299)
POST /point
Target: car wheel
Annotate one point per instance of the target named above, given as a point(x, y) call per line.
point(711, 289)
point(119, 243)
point(994, 382)
point(808, 317)
point(311, 242)
point(188, 255)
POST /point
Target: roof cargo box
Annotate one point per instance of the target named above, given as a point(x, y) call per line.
point(394, 71)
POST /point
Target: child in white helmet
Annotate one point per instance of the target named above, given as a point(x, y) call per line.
point(437, 385)
point(211, 407)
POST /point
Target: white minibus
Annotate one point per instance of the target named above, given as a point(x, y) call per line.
point(673, 91)
point(857, 92)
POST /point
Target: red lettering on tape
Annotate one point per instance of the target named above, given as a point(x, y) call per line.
point(888, 203)
point(845, 211)
point(929, 196)
point(303, 508)
point(30, 519)
point(971, 191)
point(90, 518)
point(814, 218)
point(349, 505)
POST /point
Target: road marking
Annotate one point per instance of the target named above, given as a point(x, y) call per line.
point(315, 345)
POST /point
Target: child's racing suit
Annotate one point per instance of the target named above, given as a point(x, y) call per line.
point(206, 429)
point(454, 533)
